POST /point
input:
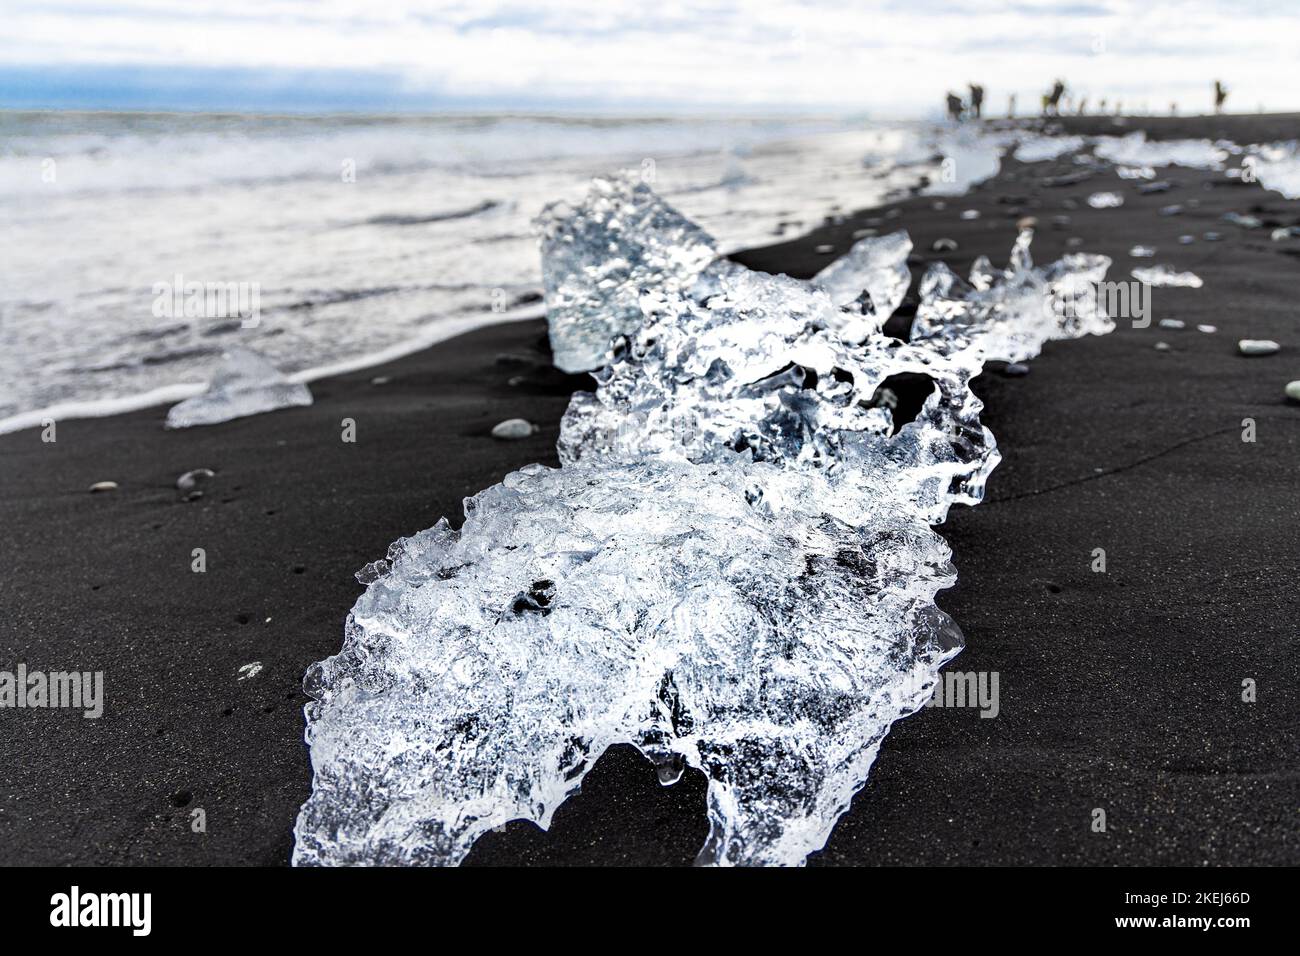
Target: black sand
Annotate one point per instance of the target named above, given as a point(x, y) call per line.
point(1119, 690)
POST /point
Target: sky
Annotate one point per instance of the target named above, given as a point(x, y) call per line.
point(885, 59)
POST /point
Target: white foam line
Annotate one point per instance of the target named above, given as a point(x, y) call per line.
point(437, 332)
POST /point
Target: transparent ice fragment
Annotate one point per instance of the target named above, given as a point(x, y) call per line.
point(1008, 316)
point(877, 265)
point(727, 618)
point(1136, 150)
point(599, 255)
point(758, 369)
point(245, 383)
point(1036, 148)
point(1105, 200)
point(1163, 275)
point(1277, 167)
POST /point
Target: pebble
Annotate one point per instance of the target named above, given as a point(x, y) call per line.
point(513, 428)
point(1173, 324)
point(1257, 346)
point(824, 250)
point(1293, 390)
point(1016, 369)
point(944, 245)
point(103, 486)
point(192, 479)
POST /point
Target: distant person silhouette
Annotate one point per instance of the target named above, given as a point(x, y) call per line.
point(1083, 105)
point(1052, 101)
point(1101, 105)
point(1220, 94)
point(976, 100)
point(1011, 106)
point(955, 107)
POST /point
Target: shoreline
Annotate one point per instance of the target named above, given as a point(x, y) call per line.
point(1120, 690)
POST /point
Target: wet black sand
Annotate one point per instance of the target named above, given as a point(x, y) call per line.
point(1119, 690)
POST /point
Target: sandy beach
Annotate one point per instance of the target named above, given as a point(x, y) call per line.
point(1120, 690)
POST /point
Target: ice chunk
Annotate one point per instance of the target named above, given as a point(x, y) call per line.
point(1105, 200)
point(1277, 167)
point(757, 369)
point(599, 255)
point(727, 617)
point(734, 570)
point(1163, 275)
point(245, 383)
point(876, 264)
point(1136, 150)
point(1008, 316)
point(1036, 148)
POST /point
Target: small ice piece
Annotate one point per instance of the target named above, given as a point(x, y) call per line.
point(1015, 369)
point(1105, 200)
point(1257, 347)
point(1008, 315)
point(944, 245)
point(877, 265)
point(1162, 346)
point(1186, 240)
point(250, 670)
point(824, 250)
point(1284, 233)
point(599, 255)
point(1142, 252)
point(1208, 329)
point(245, 383)
point(1277, 167)
point(1034, 148)
point(1176, 209)
point(1293, 391)
point(1135, 172)
point(99, 486)
point(970, 214)
point(1172, 324)
point(513, 428)
point(1211, 236)
point(1136, 150)
point(1163, 275)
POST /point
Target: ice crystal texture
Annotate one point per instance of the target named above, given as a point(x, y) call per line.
point(1277, 167)
point(1036, 148)
point(245, 383)
point(1007, 315)
point(876, 265)
point(733, 571)
point(1162, 275)
point(599, 255)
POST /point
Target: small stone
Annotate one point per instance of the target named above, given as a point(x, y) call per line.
point(1162, 346)
point(1175, 210)
point(1060, 222)
point(864, 233)
point(103, 486)
point(1186, 240)
point(1212, 237)
point(1027, 222)
point(1293, 390)
point(513, 428)
point(944, 245)
point(1015, 370)
point(1172, 324)
point(380, 380)
point(939, 205)
point(1257, 347)
point(1074, 242)
point(192, 479)
point(824, 250)
point(970, 214)
point(1209, 329)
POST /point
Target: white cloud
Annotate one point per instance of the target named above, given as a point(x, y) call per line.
point(887, 58)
